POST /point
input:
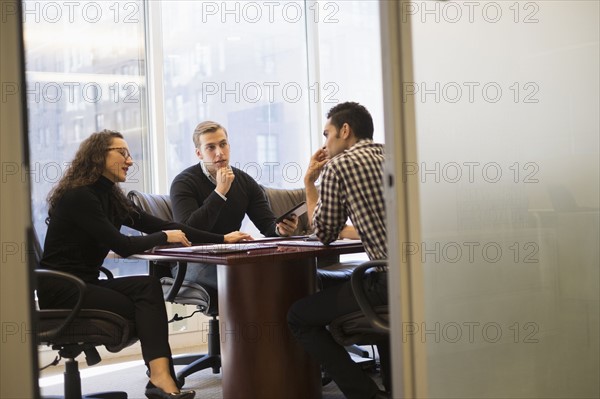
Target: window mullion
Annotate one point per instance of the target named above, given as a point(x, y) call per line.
point(156, 148)
point(314, 76)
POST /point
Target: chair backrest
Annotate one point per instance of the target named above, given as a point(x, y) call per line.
point(158, 205)
point(175, 290)
point(281, 200)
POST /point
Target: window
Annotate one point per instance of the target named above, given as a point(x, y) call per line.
point(83, 75)
point(267, 71)
point(235, 65)
point(350, 59)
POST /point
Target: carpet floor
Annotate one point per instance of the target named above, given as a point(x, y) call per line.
point(129, 375)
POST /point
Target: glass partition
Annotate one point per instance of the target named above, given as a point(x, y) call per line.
point(506, 97)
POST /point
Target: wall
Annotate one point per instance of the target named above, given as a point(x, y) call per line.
point(17, 374)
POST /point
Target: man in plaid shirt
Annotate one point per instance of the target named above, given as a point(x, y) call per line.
point(351, 169)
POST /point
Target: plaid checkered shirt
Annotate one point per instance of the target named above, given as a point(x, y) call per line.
point(352, 186)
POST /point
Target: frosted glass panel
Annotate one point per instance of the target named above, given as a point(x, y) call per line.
point(507, 100)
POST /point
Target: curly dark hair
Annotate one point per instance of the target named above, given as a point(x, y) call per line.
point(355, 115)
point(86, 168)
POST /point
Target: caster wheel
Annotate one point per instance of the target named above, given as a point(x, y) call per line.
point(325, 379)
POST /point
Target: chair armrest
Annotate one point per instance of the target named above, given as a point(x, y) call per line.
point(107, 273)
point(177, 282)
point(49, 335)
point(162, 269)
point(361, 297)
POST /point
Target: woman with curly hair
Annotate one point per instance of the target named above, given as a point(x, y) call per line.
point(86, 211)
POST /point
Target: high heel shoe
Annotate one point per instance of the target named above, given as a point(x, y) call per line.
point(157, 393)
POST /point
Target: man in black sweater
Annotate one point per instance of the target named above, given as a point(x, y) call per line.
point(214, 196)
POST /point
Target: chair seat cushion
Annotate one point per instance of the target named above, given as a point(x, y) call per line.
point(354, 328)
point(96, 327)
point(190, 293)
point(335, 273)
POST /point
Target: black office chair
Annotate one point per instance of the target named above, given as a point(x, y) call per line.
point(77, 330)
point(370, 325)
point(329, 269)
point(281, 200)
point(176, 290)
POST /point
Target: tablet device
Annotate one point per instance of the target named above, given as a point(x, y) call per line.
point(297, 210)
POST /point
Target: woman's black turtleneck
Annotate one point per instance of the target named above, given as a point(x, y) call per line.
point(84, 228)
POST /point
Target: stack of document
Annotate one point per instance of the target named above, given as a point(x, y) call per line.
point(222, 248)
point(313, 243)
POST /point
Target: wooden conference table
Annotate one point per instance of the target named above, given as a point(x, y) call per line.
point(259, 355)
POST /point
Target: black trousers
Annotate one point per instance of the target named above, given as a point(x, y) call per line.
point(137, 298)
point(309, 317)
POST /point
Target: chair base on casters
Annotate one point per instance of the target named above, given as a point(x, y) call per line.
point(200, 362)
point(73, 386)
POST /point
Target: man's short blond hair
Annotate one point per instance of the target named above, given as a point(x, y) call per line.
point(206, 127)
